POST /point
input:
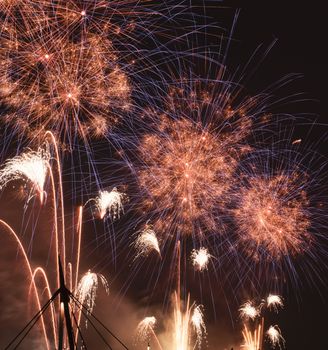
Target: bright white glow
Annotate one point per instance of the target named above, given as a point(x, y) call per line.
point(110, 202)
point(146, 242)
point(197, 320)
point(275, 337)
point(200, 258)
point(87, 289)
point(274, 301)
point(31, 166)
point(145, 328)
point(248, 311)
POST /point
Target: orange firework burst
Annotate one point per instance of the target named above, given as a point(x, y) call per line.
point(59, 68)
point(189, 159)
point(272, 216)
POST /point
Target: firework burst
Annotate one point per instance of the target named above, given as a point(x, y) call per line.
point(272, 216)
point(275, 337)
point(200, 258)
point(249, 311)
point(147, 242)
point(60, 71)
point(31, 166)
point(197, 320)
point(146, 328)
point(274, 302)
point(109, 203)
point(189, 157)
point(87, 289)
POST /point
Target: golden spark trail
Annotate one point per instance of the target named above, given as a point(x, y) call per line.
point(86, 289)
point(17, 240)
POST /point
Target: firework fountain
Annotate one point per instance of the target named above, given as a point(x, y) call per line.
point(253, 334)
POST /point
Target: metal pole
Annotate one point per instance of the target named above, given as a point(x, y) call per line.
point(64, 300)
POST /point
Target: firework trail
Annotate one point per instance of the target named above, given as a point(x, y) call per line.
point(252, 340)
point(146, 242)
point(34, 166)
point(191, 318)
point(200, 258)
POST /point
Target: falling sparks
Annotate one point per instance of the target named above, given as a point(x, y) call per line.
point(249, 311)
point(200, 258)
point(32, 166)
point(145, 328)
point(275, 337)
point(197, 320)
point(87, 289)
point(274, 302)
point(146, 242)
point(110, 203)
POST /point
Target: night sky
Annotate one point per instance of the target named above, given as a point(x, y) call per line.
point(299, 32)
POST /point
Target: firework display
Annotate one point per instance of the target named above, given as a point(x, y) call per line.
point(253, 334)
point(188, 178)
